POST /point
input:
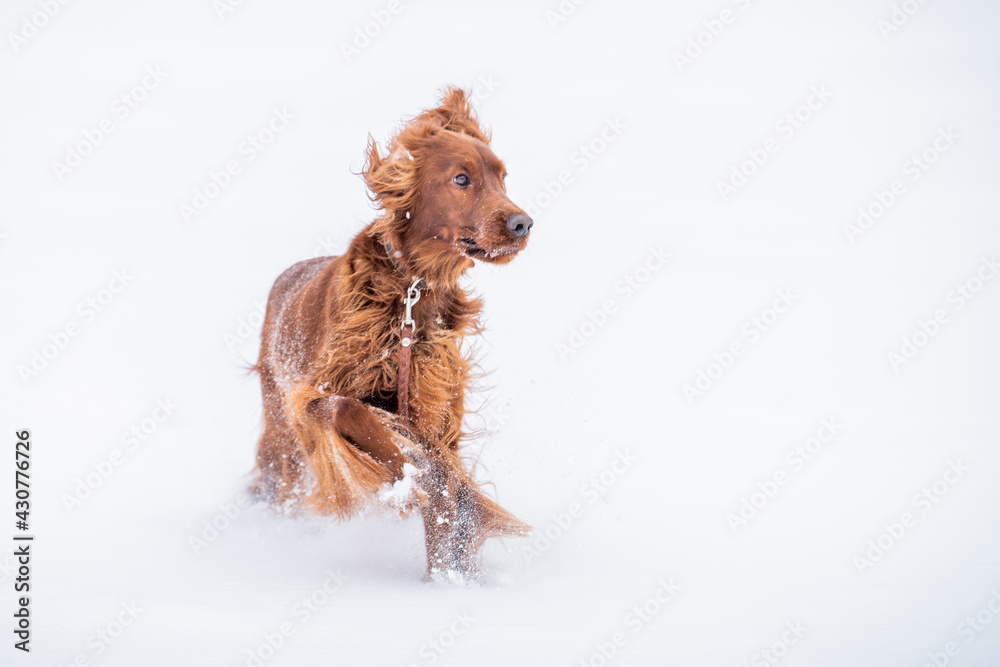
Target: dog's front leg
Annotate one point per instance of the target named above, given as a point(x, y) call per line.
point(459, 518)
point(441, 521)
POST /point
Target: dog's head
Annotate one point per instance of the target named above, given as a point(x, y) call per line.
point(443, 193)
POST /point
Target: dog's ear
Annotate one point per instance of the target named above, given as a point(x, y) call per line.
point(391, 178)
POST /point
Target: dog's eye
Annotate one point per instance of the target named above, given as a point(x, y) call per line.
point(462, 180)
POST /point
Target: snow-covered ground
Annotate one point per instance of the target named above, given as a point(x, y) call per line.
point(701, 394)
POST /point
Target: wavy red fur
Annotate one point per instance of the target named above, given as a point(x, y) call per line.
point(332, 441)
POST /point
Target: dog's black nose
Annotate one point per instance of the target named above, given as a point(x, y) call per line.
point(520, 224)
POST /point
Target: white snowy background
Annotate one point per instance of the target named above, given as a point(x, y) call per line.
point(706, 538)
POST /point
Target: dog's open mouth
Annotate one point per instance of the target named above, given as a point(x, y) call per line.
point(476, 251)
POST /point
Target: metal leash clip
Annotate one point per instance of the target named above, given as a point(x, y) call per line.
point(412, 296)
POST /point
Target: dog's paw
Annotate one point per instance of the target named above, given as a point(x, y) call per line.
point(450, 577)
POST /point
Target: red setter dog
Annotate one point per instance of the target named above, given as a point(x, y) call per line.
point(361, 363)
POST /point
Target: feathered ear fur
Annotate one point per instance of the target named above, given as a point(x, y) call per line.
point(392, 177)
